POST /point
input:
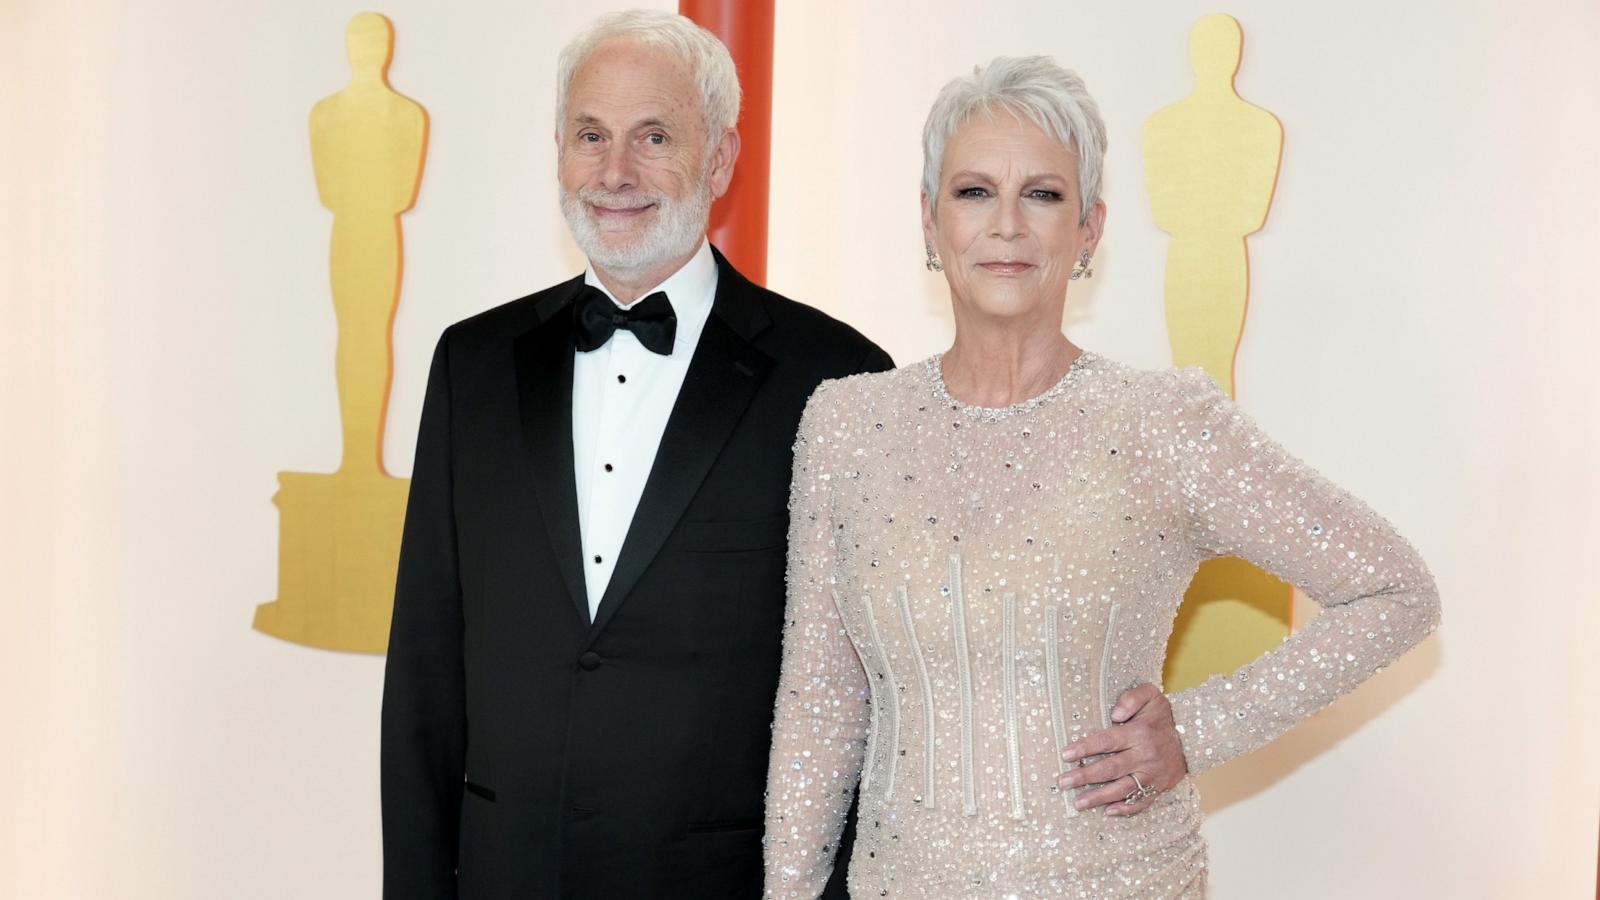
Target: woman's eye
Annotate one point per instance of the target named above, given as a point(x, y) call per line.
point(972, 192)
point(1042, 194)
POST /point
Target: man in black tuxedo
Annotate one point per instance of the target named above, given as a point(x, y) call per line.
point(589, 607)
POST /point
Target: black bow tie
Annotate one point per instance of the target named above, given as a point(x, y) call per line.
point(651, 320)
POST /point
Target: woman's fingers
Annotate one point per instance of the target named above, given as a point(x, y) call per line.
point(1108, 740)
point(1111, 792)
point(1104, 770)
point(1133, 700)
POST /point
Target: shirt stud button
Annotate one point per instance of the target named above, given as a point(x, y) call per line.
point(608, 467)
point(597, 559)
point(622, 379)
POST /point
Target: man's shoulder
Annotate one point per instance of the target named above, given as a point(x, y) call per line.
point(508, 320)
point(799, 327)
point(802, 320)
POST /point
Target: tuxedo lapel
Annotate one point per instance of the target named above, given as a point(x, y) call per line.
point(723, 376)
point(544, 396)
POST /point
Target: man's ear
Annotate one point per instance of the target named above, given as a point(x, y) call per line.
point(723, 156)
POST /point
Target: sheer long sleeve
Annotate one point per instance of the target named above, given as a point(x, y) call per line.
point(821, 716)
point(1246, 496)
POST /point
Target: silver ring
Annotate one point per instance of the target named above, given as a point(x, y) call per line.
point(1141, 792)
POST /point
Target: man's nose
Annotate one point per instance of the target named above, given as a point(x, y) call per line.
point(618, 169)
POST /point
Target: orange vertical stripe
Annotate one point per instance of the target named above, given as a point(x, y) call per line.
point(739, 219)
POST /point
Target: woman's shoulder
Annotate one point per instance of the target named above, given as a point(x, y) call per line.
point(861, 393)
point(1170, 387)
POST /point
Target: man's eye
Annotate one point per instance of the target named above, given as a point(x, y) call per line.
point(589, 137)
point(655, 137)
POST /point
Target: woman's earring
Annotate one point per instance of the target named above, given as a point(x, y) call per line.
point(934, 265)
point(1081, 268)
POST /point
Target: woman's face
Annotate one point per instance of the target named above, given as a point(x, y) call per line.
point(1006, 227)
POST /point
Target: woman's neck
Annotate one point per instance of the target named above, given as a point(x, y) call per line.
point(1003, 367)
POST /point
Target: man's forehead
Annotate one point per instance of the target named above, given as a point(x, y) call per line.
point(627, 85)
point(630, 51)
point(625, 119)
point(625, 60)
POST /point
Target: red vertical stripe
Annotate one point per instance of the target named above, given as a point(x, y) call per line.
point(739, 219)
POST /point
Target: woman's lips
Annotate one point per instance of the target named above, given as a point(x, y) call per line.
point(1007, 268)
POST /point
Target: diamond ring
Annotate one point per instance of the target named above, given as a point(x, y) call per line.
point(1141, 792)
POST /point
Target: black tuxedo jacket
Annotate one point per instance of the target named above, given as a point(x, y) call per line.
point(530, 753)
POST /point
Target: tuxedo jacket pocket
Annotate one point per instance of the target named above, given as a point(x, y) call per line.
point(478, 790)
point(734, 536)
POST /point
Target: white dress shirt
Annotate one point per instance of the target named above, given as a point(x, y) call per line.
point(622, 395)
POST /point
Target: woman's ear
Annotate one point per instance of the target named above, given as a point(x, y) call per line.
point(1094, 226)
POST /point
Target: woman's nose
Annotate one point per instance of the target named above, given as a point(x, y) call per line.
point(1008, 223)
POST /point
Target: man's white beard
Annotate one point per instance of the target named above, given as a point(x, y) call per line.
point(675, 231)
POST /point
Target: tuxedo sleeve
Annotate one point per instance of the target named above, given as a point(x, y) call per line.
point(424, 717)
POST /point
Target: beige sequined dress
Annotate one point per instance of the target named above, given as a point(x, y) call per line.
point(970, 589)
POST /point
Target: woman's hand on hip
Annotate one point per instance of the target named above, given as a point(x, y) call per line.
point(1141, 756)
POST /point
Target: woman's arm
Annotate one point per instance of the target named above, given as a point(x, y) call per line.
point(821, 716)
point(1247, 497)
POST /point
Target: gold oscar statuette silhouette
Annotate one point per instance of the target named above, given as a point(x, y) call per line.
point(1211, 165)
point(339, 533)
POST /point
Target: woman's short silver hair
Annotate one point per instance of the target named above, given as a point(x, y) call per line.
point(707, 58)
point(1030, 87)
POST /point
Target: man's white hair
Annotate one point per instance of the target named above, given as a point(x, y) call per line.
point(700, 50)
point(1029, 87)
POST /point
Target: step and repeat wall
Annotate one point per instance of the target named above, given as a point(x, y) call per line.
point(213, 344)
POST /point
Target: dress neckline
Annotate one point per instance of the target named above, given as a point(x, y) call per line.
point(935, 375)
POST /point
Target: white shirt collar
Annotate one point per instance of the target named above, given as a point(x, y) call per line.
point(691, 290)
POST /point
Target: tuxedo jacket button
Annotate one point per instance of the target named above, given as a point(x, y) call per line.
point(590, 661)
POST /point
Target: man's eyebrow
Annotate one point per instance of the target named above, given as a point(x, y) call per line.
point(651, 122)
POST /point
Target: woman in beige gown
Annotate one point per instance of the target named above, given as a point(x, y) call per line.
point(988, 546)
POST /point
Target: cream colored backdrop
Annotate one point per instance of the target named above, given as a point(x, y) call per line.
point(1422, 328)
